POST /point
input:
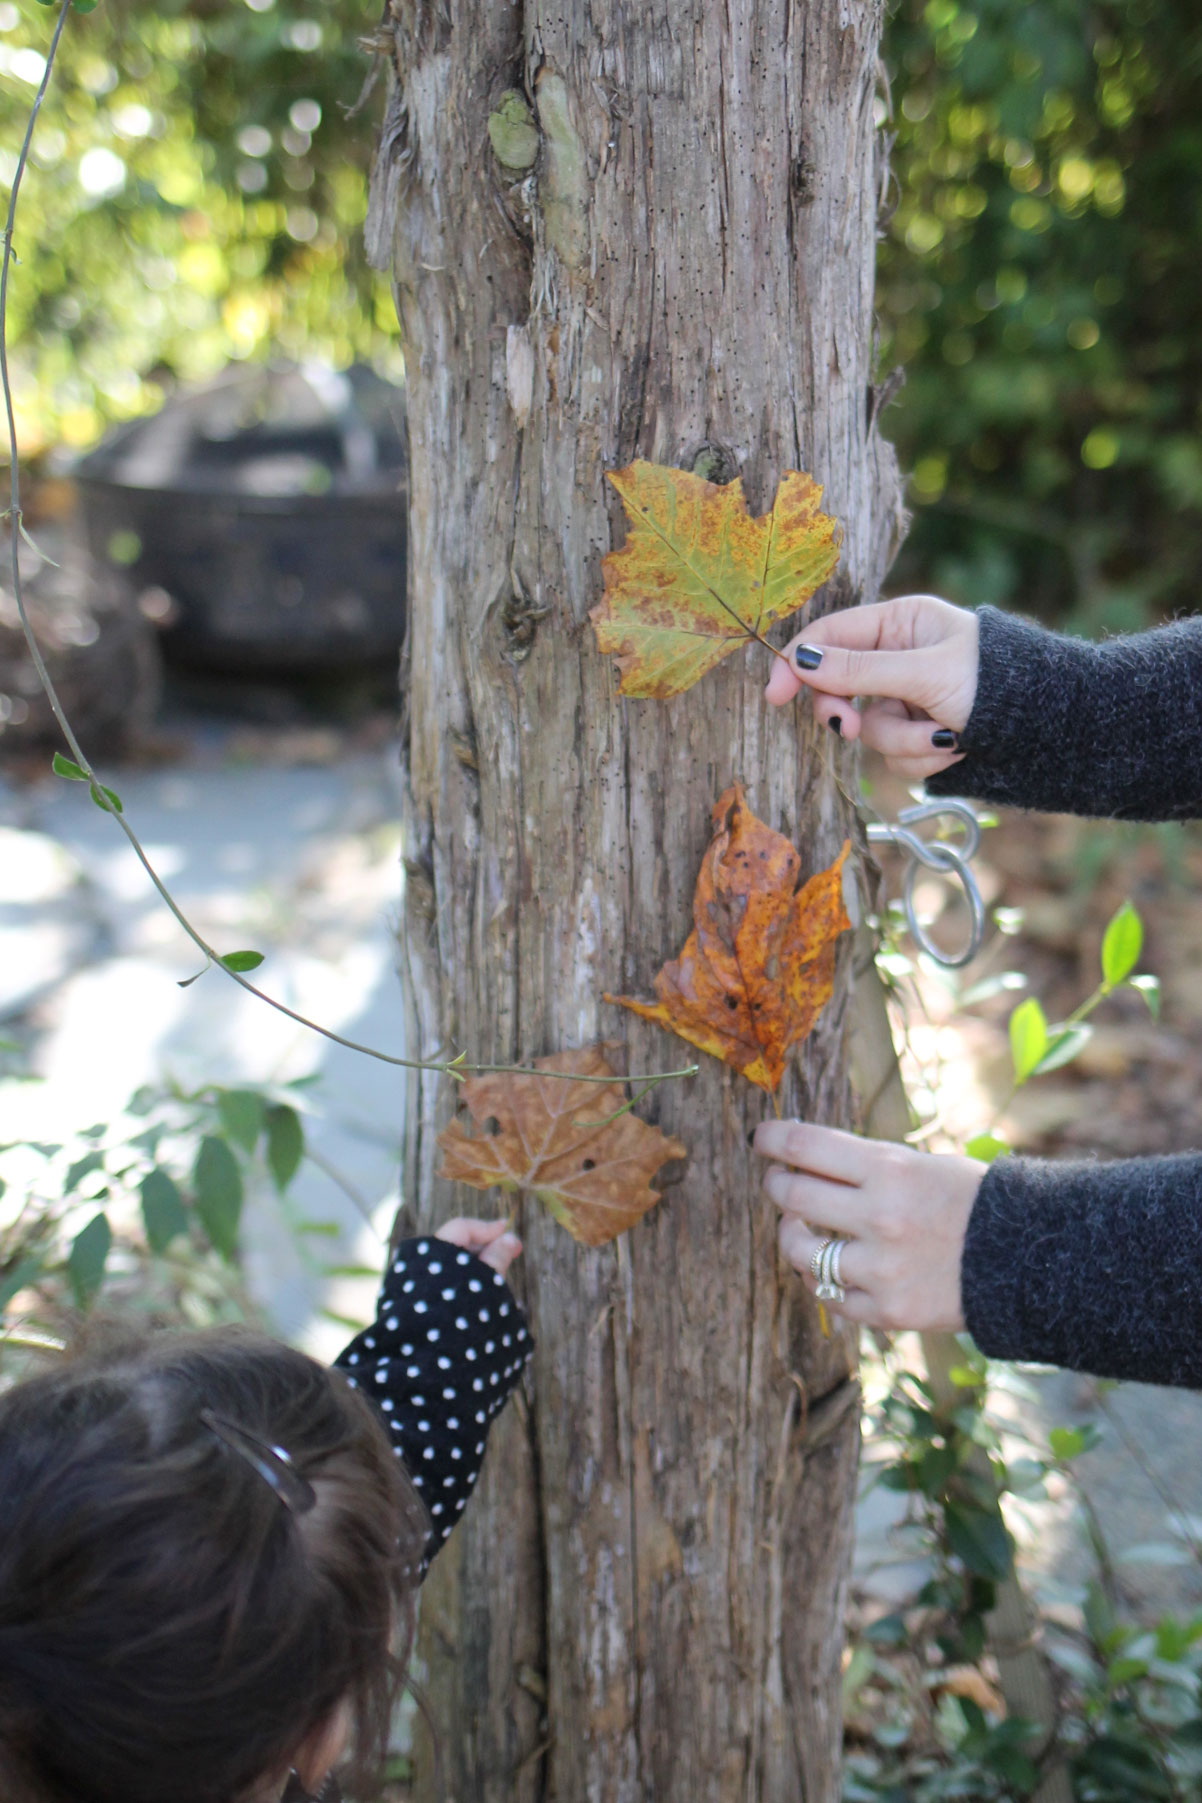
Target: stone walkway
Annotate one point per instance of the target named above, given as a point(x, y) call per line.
point(301, 863)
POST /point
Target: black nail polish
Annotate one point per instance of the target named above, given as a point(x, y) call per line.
point(836, 725)
point(807, 657)
point(945, 739)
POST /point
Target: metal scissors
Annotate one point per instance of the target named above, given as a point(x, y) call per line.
point(947, 859)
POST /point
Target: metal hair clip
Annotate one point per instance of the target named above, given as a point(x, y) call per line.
point(947, 860)
point(272, 1463)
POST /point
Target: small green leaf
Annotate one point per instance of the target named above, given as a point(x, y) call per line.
point(285, 1143)
point(240, 1112)
point(1125, 1669)
point(979, 1540)
point(67, 766)
point(986, 1148)
point(88, 1257)
point(217, 1182)
point(187, 982)
point(1121, 945)
point(1070, 1442)
point(1064, 1044)
point(163, 1213)
point(242, 960)
point(1149, 988)
point(1028, 1038)
point(83, 1167)
point(107, 800)
point(17, 1280)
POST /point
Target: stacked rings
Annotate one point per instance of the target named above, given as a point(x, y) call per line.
point(826, 1267)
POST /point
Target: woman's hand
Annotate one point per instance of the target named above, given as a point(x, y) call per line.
point(903, 1215)
point(491, 1241)
point(917, 656)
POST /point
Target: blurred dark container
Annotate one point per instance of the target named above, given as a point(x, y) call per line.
point(261, 519)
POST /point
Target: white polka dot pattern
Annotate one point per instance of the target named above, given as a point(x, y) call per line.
point(421, 1319)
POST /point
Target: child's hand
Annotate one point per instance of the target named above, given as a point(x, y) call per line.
point(491, 1241)
point(916, 655)
point(903, 1215)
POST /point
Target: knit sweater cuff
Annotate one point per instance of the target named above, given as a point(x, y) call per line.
point(1066, 726)
point(1096, 1267)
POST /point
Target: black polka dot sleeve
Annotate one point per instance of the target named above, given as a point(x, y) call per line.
point(440, 1360)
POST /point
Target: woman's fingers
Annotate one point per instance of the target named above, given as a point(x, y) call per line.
point(917, 649)
point(855, 628)
point(840, 1206)
point(887, 728)
point(799, 1244)
point(823, 1151)
point(836, 670)
point(903, 1214)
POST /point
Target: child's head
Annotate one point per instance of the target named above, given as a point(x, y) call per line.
point(170, 1627)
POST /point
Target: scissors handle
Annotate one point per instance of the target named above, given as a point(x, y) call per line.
point(944, 858)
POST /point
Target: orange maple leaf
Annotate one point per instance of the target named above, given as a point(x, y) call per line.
point(759, 966)
point(698, 576)
point(558, 1141)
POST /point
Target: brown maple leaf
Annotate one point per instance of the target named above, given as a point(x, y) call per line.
point(759, 966)
point(698, 576)
point(555, 1139)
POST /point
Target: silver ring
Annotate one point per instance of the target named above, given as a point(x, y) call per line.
point(816, 1260)
point(829, 1288)
point(834, 1268)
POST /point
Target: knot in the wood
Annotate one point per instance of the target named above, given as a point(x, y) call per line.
point(712, 461)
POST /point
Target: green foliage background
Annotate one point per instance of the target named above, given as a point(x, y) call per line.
point(1039, 281)
point(197, 193)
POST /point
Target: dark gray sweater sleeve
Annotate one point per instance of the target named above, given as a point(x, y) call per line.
point(1097, 1267)
point(1059, 724)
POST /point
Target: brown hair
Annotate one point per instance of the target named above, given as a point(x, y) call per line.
point(169, 1627)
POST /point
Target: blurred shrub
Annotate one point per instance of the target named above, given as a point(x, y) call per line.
point(1039, 281)
point(196, 193)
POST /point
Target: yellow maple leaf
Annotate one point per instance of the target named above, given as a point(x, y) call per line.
point(698, 576)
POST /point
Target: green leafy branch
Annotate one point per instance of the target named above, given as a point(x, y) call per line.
point(77, 767)
point(1036, 1047)
point(180, 1163)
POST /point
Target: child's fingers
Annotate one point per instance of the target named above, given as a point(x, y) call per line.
point(501, 1254)
point(471, 1234)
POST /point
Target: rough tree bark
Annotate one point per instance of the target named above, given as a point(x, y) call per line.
point(645, 1598)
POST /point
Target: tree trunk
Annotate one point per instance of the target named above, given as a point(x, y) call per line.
point(645, 1598)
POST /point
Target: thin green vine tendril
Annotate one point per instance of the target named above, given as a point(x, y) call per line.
point(455, 1067)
